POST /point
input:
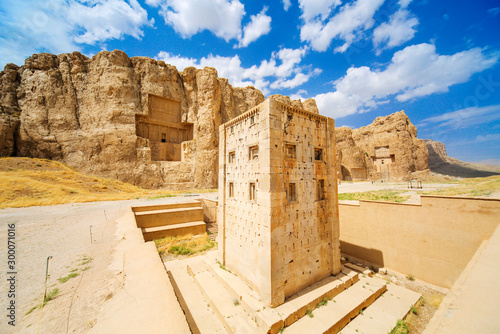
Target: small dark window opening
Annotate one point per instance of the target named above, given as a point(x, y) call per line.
point(290, 152)
point(291, 193)
point(231, 157)
point(231, 189)
point(252, 120)
point(318, 154)
point(253, 194)
point(163, 137)
point(320, 190)
point(253, 152)
point(289, 117)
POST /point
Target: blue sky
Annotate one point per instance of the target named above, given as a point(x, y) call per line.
point(437, 60)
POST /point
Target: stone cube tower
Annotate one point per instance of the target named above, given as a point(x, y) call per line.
point(278, 208)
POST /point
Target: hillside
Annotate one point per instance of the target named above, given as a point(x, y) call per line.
point(29, 182)
point(441, 163)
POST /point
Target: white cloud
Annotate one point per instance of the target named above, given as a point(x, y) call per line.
point(153, 3)
point(414, 71)
point(188, 17)
point(111, 19)
point(404, 3)
point(486, 138)
point(221, 17)
point(399, 29)
point(59, 26)
point(313, 8)
point(464, 118)
point(259, 25)
point(347, 25)
point(299, 95)
point(282, 70)
point(286, 4)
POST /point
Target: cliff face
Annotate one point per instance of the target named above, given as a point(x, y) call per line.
point(87, 113)
point(83, 112)
point(386, 149)
point(440, 162)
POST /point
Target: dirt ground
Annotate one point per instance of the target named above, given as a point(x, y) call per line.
point(63, 232)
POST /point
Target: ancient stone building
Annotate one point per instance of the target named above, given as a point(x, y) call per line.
point(278, 213)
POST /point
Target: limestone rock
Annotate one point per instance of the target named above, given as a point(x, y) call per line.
point(308, 105)
point(440, 162)
point(85, 113)
point(389, 147)
point(353, 164)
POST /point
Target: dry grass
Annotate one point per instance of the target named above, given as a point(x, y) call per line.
point(184, 245)
point(381, 195)
point(29, 182)
point(475, 187)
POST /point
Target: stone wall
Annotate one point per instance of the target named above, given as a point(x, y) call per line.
point(433, 241)
point(278, 218)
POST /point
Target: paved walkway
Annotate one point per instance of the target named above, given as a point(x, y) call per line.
point(472, 304)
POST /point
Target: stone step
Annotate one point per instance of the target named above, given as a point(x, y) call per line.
point(382, 315)
point(228, 308)
point(359, 269)
point(199, 314)
point(296, 306)
point(164, 217)
point(266, 318)
point(166, 206)
point(158, 232)
point(339, 311)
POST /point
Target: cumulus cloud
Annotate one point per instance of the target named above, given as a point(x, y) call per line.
point(221, 17)
point(413, 72)
point(282, 70)
point(111, 19)
point(259, 25)
point(313, 8)
point(287, 4)
point(399, 29)
point(188, 17)
point(347, 25)
point(60, 26)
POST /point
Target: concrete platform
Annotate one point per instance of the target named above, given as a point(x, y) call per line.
point(173, 216)
point(192, 204)
point(152, 233)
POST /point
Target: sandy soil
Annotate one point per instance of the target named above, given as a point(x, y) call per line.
point(63, 232)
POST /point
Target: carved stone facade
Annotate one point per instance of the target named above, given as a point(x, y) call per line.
point(162, 131)
point(278, 208)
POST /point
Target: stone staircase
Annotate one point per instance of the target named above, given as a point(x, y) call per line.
point(159, 221)
point(215, 300)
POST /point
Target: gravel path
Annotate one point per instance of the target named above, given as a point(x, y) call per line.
point(63, 232)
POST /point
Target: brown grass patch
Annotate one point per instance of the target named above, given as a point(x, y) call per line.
point(29, 182)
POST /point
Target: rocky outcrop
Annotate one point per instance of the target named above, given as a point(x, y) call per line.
point(351, 156)
point(386, 149)
point(440, 162)
point(308, 105)
point(83, 112)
